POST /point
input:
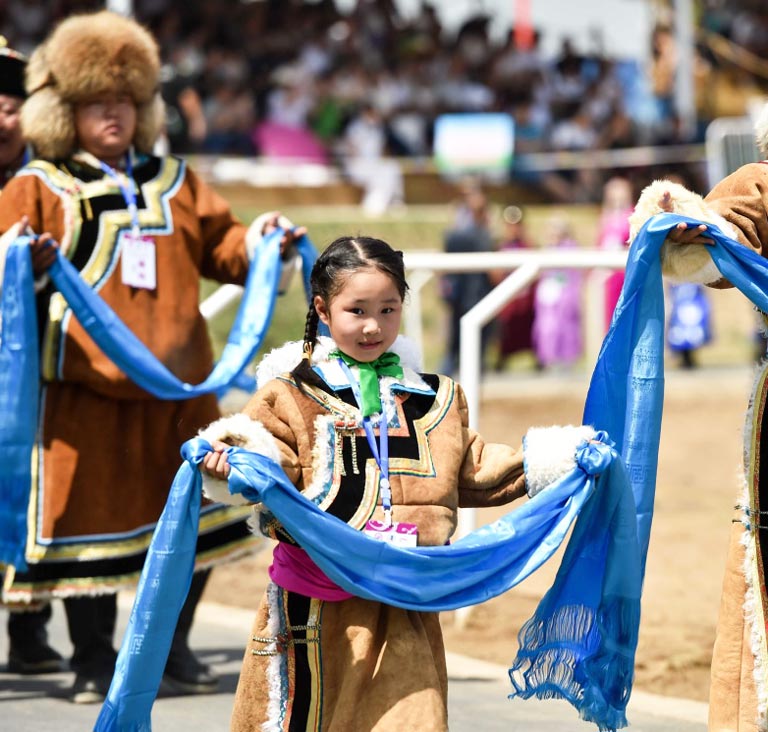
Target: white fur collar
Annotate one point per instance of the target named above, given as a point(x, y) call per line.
point(285, 358)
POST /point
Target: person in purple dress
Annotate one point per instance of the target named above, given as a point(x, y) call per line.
point(557, 336)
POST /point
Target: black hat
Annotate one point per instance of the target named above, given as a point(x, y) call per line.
point(12, 66)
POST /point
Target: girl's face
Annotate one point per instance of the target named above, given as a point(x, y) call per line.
point(364, 316)
point(105, 126)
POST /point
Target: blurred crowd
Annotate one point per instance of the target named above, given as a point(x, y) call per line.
point(300, 78)
point(288, 77)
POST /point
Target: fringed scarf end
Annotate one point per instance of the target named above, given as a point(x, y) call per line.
point(568, 656)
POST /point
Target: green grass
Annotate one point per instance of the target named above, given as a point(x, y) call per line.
point(422, 227)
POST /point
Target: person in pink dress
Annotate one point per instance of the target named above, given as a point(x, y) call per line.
point(613, 233)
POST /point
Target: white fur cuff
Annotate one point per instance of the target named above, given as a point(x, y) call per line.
point(242, 431)
point(680, 262)
point(255, 234)
point(550, 452)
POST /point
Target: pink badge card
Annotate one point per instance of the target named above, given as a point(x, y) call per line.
point(138, 268)
point(399, 534)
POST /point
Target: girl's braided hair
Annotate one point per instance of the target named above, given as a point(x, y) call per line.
point(342, 258)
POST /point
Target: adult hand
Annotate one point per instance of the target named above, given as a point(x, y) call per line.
point(42, 248)
point(274, 220)
point(215, 463)
point(682, 233)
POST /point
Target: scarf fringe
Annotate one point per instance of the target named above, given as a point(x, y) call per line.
point(566, 656)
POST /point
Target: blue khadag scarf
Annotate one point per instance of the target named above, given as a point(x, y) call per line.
point(19, 360)
point(580, 643)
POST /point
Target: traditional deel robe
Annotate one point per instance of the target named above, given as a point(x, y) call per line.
point(738, 700)
point(107, 451)
point(354, 664)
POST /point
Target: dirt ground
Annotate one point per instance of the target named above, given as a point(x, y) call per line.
point(699, 464)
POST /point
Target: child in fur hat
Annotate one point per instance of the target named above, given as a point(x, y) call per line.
point(738, 205)
point(107, 451)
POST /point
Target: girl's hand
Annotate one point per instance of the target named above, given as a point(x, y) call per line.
point(682, 233)
point(215, 463)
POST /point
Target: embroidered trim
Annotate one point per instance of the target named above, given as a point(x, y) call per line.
point(755, 596)
point(278, 684)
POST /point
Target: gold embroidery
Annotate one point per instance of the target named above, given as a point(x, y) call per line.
point(153, 217)
point(353, 443)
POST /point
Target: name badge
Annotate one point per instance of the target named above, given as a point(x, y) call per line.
point(397, 533)
point(137, 262)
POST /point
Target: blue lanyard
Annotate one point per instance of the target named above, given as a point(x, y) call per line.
point(128, 191)
point(381, 456)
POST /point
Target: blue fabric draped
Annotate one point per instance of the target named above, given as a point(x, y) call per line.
point(580, 643)
point(473, 569)
point(19, 384)
point(19, 359)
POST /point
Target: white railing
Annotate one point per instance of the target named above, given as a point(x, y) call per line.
point(526, 265)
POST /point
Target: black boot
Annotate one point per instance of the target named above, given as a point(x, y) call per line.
point(29, 652)
point(91, 621)
point(183, 671)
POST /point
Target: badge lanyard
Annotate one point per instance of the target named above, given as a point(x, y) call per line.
point(381, 455)
point(128, 191)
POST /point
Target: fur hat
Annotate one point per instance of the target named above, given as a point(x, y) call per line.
point(12, 65)
point(87, 55)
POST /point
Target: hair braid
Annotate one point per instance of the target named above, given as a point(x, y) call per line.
point(303, 371)
point(310, 331)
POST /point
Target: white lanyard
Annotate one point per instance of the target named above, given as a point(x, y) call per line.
point(128, 191)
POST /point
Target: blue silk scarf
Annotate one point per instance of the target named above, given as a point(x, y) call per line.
point(580, 643)
point(19, 360)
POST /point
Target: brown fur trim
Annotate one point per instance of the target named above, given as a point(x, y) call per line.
point(100, 52)
point(48, 124)
point(87, 55)
point(150, 119)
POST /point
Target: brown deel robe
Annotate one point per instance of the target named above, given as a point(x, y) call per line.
point(107, 450)
point(356, 664)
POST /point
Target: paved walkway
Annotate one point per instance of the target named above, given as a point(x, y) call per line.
point(477, 691)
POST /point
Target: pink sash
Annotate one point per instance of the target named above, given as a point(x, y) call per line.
point(293, 570)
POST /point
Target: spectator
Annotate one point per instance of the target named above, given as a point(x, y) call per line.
point(515, 321)
point(689, 325)
point(613, 234)
point(229, 118)
point(367, 162)
point(463, 291)
point(285, 131)
point(557, 337)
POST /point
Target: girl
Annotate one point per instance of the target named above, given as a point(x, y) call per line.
point(369, 439)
